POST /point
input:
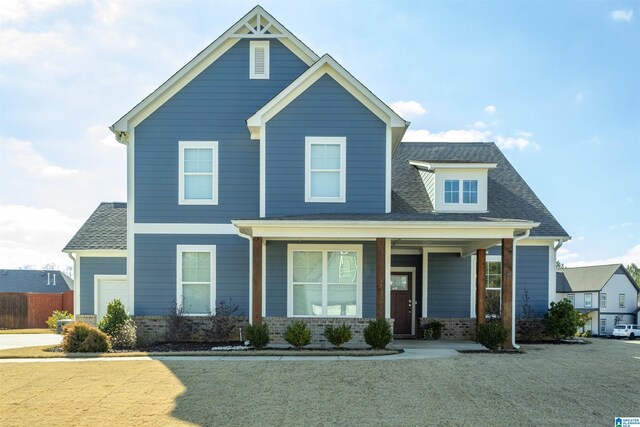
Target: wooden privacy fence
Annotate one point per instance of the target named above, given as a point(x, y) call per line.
point(27, 310)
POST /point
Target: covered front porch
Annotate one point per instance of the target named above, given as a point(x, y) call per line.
point(298, 272)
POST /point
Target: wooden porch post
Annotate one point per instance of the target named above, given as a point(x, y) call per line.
point(481, 285)
point(380, 279)
point(507, 288)
point(256, 289)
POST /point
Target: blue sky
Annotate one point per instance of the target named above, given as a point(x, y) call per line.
point(554, 84)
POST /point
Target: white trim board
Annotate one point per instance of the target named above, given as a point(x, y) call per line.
point(168, 228)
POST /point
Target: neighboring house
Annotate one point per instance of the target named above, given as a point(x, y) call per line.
point(28, 297)
point(264, 174)
point(607, 292)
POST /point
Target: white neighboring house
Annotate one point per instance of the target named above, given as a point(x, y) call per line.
point(607, 292)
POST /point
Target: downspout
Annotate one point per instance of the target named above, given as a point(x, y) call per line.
point(76, 282)
point(513, 289)
point(246, 236)
point(558, 246)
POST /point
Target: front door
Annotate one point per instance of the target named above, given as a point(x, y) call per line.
point(401, 304)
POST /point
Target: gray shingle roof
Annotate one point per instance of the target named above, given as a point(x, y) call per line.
point(106, 228)
point(590, 278)
point(34, 281)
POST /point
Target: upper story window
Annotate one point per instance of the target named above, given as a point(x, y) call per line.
point(259, 60)
point(470, 191)
point(325, 169)
point(572, 299)
point(198, 173)
point(196, 278)
point(452, 191)
point(621, 300)
point(587, 300)
point(603, 300)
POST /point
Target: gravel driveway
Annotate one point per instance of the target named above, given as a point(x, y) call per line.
point(28, 340)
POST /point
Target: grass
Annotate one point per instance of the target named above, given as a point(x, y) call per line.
point(549, 385)
point(26, 331)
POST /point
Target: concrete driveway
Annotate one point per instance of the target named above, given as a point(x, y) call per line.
point(8, 341)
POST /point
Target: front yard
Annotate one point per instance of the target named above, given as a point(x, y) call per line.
point(550, 384)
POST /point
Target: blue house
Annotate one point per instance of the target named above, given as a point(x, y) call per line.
point(265, 174)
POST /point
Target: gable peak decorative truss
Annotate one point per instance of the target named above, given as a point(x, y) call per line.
point(258, 27)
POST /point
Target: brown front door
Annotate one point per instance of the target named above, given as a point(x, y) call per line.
point(401, 303)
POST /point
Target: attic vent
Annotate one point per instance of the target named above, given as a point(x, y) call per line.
point(259, 60)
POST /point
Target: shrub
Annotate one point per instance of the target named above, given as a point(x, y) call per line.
point(436, 329)
point(530, 330)
point(491, 334)
point(427, 332)
point(221, 322)
point(178, 325)
point(116, 316)
point(81, 337)
point(125, 336)
point(258, 335)
point(378, 334)
point(338, 335)
point(57, 315)
point(562, 319)
point(297, 334)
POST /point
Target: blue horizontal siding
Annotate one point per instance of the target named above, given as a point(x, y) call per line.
point(449, 285)
point(89, 267)
point(532, 275)
point(155, 270)
point(276, 276)
point(325, 109)
point(213, 107)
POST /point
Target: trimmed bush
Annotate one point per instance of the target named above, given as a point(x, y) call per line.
point(562, 319)
point(378, 334)
point(338, 335)
point(258, 335)
point(116, 316)
point(297, 334)
point(55, 316)
point(125, 336)
point(491, 334)
point(222, 322)
point(81, 337)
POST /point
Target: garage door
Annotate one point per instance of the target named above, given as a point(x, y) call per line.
point(109, 288)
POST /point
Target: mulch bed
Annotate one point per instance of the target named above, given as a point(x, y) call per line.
point(163, 347)
point(491, 352)
point(577, 341)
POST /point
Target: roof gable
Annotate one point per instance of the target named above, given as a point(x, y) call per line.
point(105, 229)
point(328, 66)
point(257, 24)
point(35, 281)
point(589, 279)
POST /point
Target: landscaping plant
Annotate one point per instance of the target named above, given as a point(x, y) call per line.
point(116, 316)
point(298, 334)
point(124, 336)
point(257, 335)
point(178, 325)
point(491, 334)
point(222, 322)
point(436, 328)
point(338, 335)
point(562, 319)
point(378, 334)
point(81, 337)
point(529, 327)
point(57, 315)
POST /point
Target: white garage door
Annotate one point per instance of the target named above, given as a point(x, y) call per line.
point(109, 288)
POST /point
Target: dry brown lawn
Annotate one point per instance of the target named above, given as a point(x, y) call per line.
point(549, 385)
point(26, 331)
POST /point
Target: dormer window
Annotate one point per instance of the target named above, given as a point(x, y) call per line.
point(455, 186)
point(259, 60)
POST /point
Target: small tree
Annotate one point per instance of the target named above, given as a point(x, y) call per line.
point(222, 322)
point(562, 319)
point(492, 334)
point(178, 325)
point(116, 316)
point(258, 335)
point(297, 334)
point(378, 334)
point(338, 335)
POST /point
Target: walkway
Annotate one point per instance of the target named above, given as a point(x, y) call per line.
point(8, 341)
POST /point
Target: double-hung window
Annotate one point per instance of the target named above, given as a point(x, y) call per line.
point(621, 300)
point(198, 173)
point(325, 280)
point(603, 300)
point(469, 191)
point(196, 278)
point(494, 288)
point(572, 299)
point(325, 169)
point(587, 300)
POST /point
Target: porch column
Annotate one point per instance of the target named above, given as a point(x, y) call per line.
point(256, 288)
point(507, 288)
point(481, 285)
point(380, 278)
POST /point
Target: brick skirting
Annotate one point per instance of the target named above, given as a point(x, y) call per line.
point(155, 327)
point(278, 326)
point(455, 328)
point(86, 318)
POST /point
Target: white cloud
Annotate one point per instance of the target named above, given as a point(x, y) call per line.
point(21, 10)
point(32, 236)
point(19, 46)
point(520, 141)
point(579, 97)
point(480, 125)
point(624, 15)
point(24, 156)
point(622, 225)
point(631, 256)
point(490, 109)
point(408, 108)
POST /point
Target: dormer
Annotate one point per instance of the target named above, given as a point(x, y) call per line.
point(455, 186)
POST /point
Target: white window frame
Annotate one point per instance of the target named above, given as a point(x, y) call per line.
point(325, 140)
point(180, 249)
point(590, 300)
point(252, 59)
point(182, 146)
point(603, 326)
point(493, 259)
point(603, 300)
point(460, 192)
point(324, 249)
point(572, 299)
point(622, 298)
